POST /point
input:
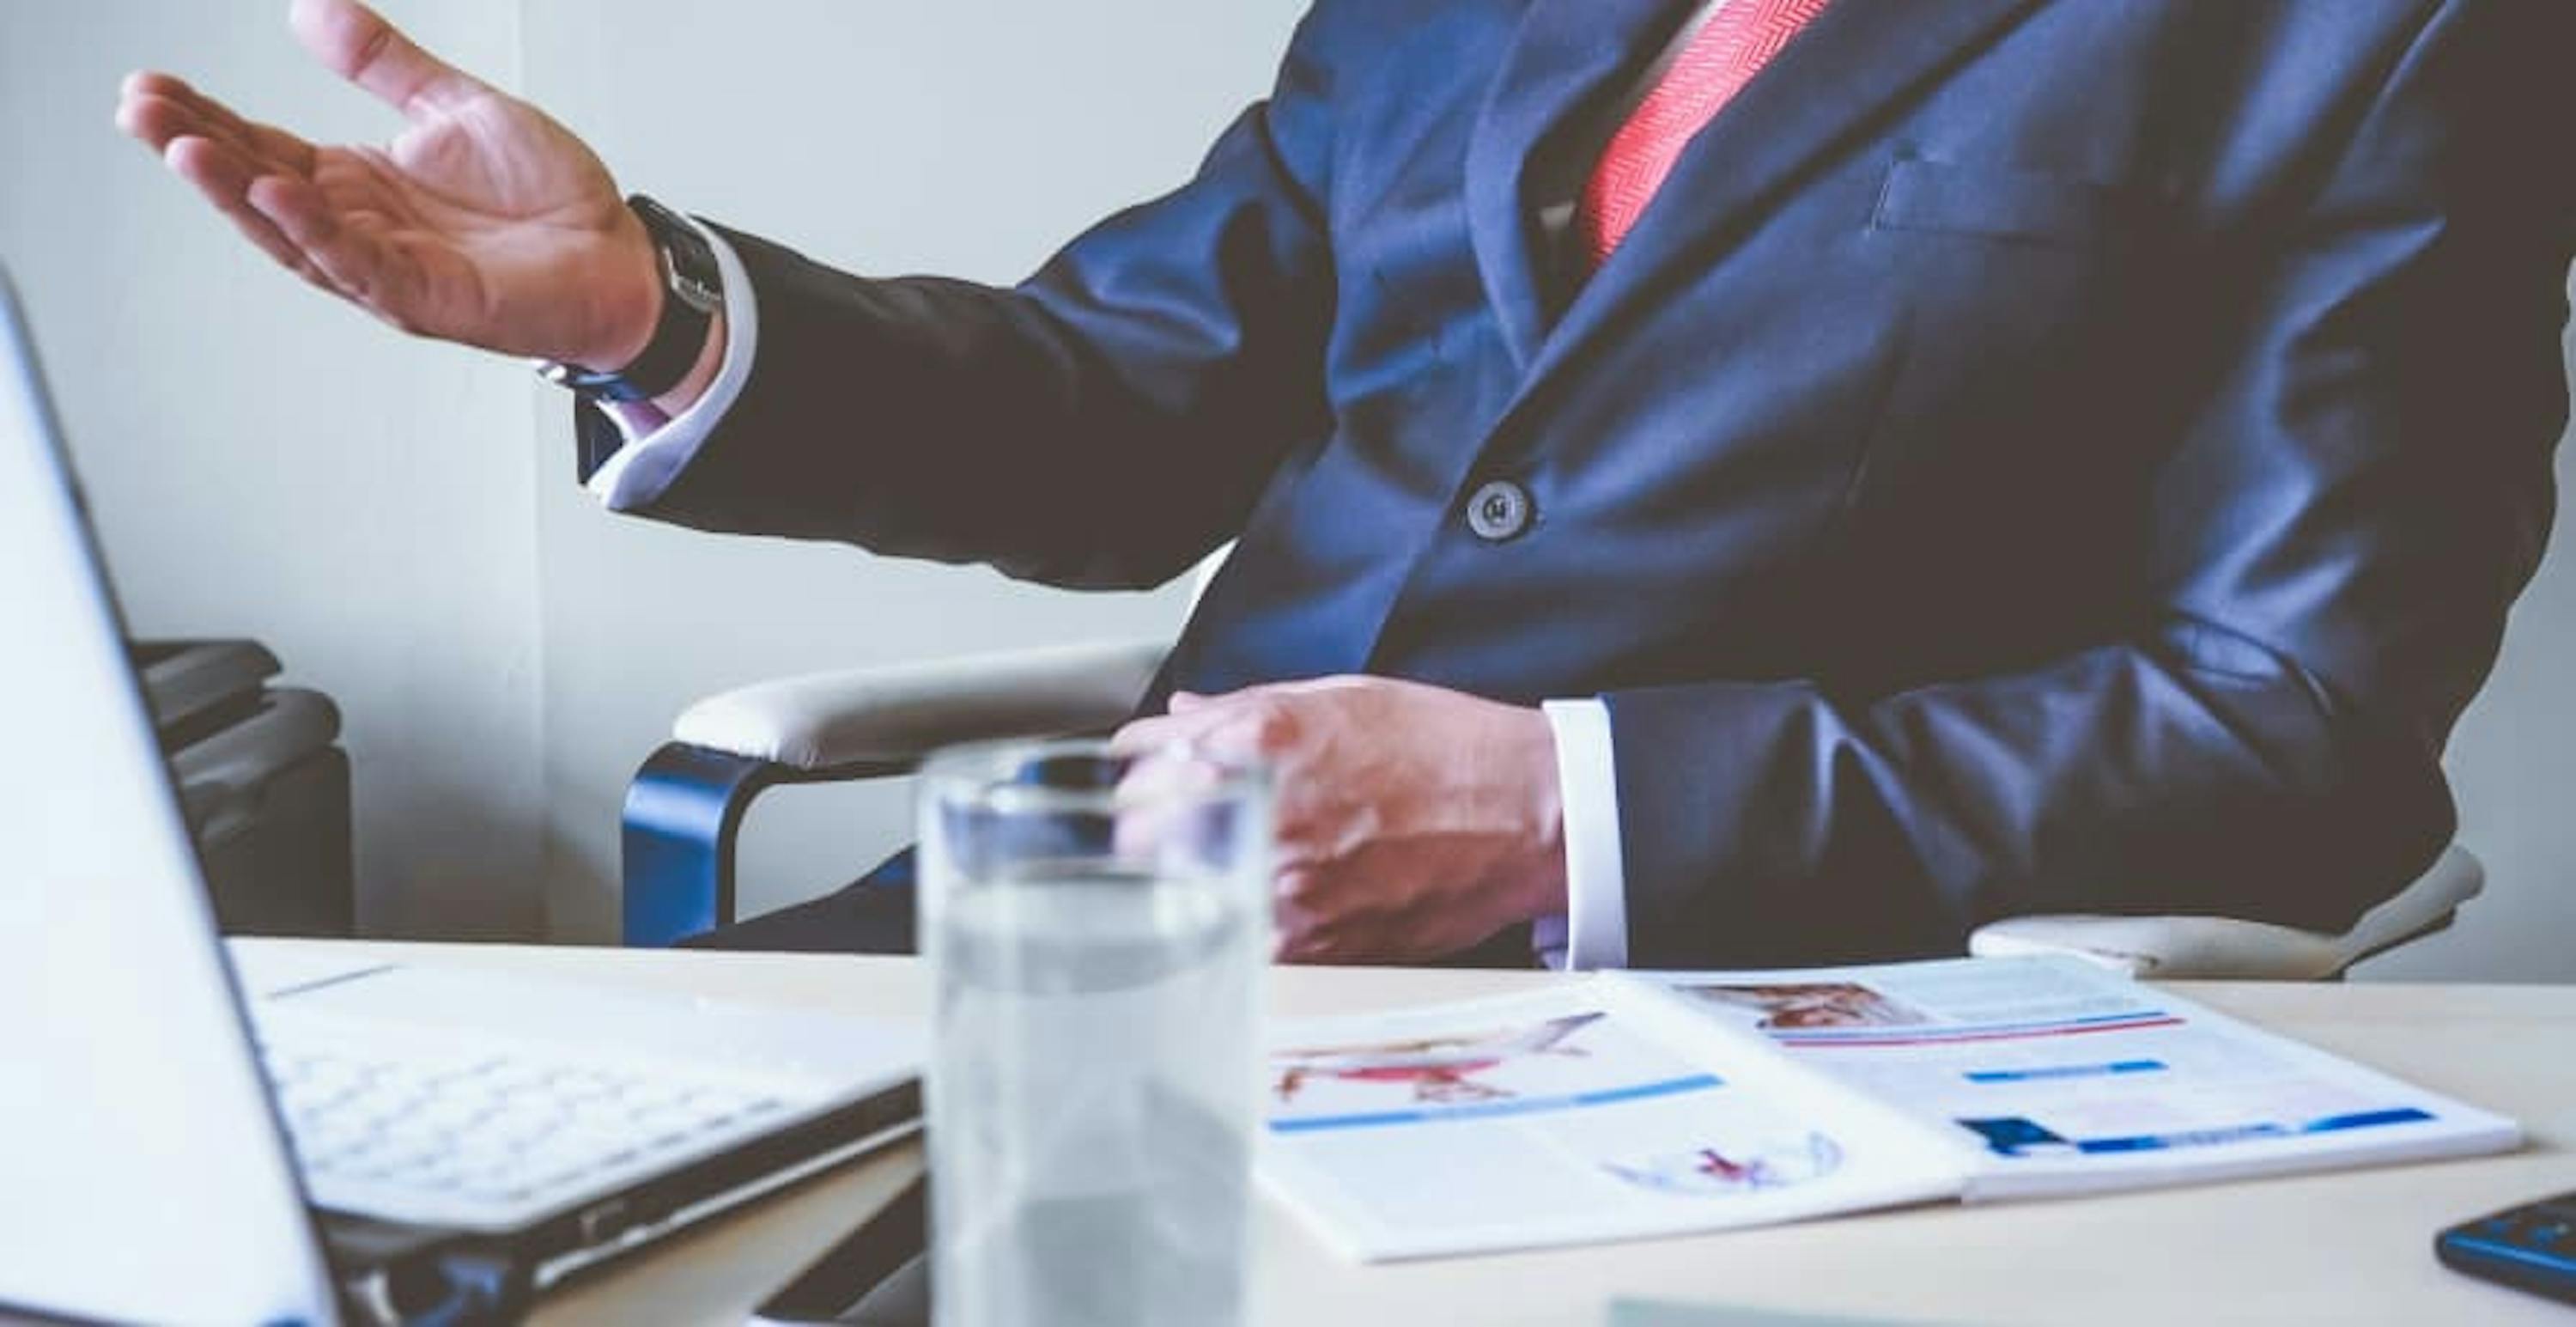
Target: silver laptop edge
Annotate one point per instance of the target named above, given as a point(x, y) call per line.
point(137, 1092)
point(168, 1204)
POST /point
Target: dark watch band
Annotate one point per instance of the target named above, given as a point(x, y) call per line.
point(692, 295)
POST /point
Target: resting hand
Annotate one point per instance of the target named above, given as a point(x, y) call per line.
point(482, 222)
point(1413, 821)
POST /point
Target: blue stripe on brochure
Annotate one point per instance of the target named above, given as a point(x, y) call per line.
point(2368, 1119)
point(2064, 1071)
point(2242, 1133)
point(1491, 1109)
point(2157, 1142)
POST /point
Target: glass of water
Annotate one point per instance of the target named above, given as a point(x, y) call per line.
point(1097, 926)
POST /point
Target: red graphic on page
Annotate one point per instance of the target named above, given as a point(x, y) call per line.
point(1439, 1070)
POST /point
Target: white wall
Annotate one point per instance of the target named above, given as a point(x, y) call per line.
point(398, 519)
point(266, 463)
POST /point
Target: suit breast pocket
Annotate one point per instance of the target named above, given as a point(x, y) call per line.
point(2036, 346)
point(1998, 260)
point(2012, 205)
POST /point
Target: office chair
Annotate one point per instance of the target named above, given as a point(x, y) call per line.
point(684, 811)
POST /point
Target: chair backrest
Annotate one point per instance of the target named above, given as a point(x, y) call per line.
point(2220, 947)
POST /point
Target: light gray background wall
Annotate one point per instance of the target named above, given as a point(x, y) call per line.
point(398, 518)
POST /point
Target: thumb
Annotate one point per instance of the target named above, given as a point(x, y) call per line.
point(356, 43)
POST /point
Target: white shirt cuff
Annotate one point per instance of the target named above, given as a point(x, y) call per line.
point(1593, 933)
point(657, 450)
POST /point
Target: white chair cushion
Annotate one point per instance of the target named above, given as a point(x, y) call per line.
point(2217, 947)
point(903, 712)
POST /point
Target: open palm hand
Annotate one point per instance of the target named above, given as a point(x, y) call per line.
point(483, 221)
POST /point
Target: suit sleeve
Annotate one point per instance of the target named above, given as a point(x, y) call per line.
point(1102, 425)
point(2334, 541)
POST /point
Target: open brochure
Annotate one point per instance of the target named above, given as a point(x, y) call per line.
point(1639, 1104)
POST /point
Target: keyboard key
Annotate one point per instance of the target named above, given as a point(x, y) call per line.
point(487, 1128)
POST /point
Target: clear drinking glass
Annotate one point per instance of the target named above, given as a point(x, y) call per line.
point(1097, 927)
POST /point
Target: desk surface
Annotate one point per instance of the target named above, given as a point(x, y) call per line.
point(2348, 1247)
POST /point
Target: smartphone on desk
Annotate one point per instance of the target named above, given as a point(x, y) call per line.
point(877, 1277)
point(2532, 1247)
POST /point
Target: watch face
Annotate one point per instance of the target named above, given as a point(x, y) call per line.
point(698, 295)
point(688, 264)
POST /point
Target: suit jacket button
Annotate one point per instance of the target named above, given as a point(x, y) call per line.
point(1499, 511)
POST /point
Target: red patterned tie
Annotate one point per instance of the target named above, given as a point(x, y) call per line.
point(1726, 53)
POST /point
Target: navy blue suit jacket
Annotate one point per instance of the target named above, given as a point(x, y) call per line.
point(2034, 455)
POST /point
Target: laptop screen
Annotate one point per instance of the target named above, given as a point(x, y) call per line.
point(146, 1176)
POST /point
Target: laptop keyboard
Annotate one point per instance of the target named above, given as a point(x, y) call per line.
point(440, 1129)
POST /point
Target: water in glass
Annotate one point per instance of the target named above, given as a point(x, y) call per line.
point(1094, 1087)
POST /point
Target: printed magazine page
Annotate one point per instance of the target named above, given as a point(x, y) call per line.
point(1586, 1112)
point(2061, 1077)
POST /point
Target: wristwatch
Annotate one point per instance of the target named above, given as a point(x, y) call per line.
point(693, 293)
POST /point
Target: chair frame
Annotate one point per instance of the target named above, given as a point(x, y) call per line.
point(682, 828)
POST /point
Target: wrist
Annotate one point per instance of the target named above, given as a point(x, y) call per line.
point(631, 307)
point(1539, 872)
point(667, 340)
point(701, 375)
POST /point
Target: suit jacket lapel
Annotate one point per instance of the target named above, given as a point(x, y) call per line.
point(1856, 59)
point(1565, 54)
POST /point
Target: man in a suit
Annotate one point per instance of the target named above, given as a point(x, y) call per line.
point(1737, 482)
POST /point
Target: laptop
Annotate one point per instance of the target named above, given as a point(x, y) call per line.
point(191, 1132)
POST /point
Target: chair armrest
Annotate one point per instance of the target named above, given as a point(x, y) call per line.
point(898, 714)
point(2219, 947)
point(685, 809)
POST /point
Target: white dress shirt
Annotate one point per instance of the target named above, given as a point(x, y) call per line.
point(1593, 932)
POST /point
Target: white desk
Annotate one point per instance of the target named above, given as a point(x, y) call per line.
point(2351, 1247)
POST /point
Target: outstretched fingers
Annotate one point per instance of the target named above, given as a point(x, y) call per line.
point(268, 143)
point(222, 155)
point(158, 111)
point(356, 43)
point(147, 111)
point(362, 265)
point(225, 176)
